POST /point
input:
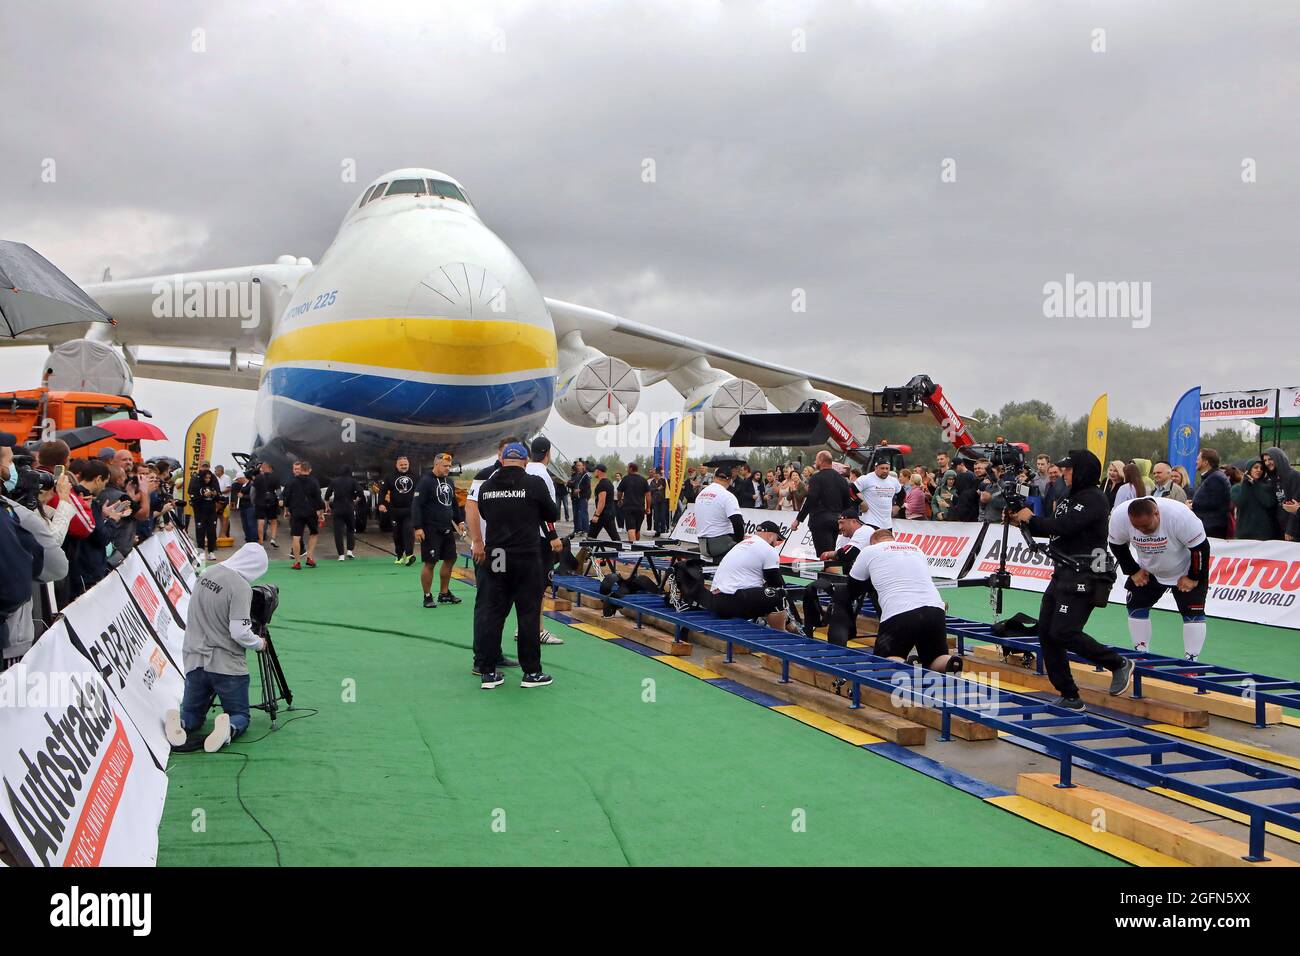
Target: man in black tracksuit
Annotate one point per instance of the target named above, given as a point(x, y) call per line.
point(266, 501)
point(437, 518)
point(341, 496)
point(302, 499)
point(1079, 534)
point(515, 505)
point(828, 497)
point(395, 500)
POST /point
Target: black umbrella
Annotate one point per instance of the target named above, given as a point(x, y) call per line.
point(34, 294)
point(86, 435)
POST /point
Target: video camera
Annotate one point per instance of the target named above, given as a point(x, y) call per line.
point(31, 483)
point(266, 598)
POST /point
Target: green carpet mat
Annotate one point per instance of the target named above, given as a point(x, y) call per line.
point(409, 762)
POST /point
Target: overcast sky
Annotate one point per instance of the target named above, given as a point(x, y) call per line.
point(797, 146)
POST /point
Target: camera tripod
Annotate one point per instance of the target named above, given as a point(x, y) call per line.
point(275, 687)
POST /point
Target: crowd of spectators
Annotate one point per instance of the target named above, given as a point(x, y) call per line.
point(65, 522)
point(1259, 499)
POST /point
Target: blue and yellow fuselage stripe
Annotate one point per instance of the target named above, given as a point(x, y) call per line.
point(424, 371)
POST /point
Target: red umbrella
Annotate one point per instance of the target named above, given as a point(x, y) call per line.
point(132, 429)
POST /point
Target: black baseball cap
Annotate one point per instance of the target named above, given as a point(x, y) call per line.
point(771, 527)
point(722, 471)
point(1066, 462)
point(599, 466)
point(541, 445)
point(853, 513)
point(7, 440)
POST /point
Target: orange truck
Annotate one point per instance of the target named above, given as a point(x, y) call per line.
point(32, 413)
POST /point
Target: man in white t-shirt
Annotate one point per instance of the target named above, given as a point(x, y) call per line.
point(748, 581)
point(718, 523)
point(878, 489)
point(911, 610)
point(853, 537)
point(1161, 545)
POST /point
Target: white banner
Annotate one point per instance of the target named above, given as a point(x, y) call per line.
point(108, 626)
point(684, 530)
point(159, 607)
point(946, 544)
point(79, 786)
point(164, 574)
point(1255, 581)
point(1226, 406)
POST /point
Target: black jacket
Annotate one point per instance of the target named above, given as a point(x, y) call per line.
point(342, 493)
point(302, 496)
point(515, 505)
point(828, 491)
point(397, 491)
point(1081, 520)
point(434, 505)
point(1211, 502)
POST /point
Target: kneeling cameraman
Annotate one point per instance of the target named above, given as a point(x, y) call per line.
point(218, 633)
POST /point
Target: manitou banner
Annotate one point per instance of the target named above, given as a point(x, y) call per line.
point(946, 544)
point(80, 788)
point(1256, 581)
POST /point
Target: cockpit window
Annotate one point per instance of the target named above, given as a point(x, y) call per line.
point(447, 190)
point(374, 192)
point(413, 187)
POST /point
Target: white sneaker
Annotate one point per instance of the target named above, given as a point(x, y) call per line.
point(176, 735)
point(549, 638)
point(351, 555)
point(220, 735)
point(342, 558)
point(212, 556)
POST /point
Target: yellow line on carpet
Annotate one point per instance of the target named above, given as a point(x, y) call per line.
point(593, 630)
point(1062, 823)
point(833, 727)
point(686, 667)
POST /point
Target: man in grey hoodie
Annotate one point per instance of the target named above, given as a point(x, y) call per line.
point(1286, 486)
point(218, 634)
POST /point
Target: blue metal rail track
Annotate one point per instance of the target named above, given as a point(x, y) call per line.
point(1065, 735)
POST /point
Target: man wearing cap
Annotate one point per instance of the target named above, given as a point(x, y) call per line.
point(602, 512)
point(509, 572)
point(718, 522)
point(828, 497)
point(748, 581)
point(1078, 530)
point(911, 612)
point(437, 518)
point(476, 524)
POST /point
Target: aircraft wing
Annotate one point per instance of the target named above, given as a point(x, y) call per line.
point(226, 311)
point(653, 349)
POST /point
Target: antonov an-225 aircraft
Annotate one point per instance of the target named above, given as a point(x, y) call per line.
point(419, 331)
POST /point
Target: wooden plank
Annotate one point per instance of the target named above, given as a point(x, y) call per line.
point(1214, 702)
point(1161, 832)
point(986, 658)
point(646, 636)
point(887, 726)
point(556, 604)
point(928, 716)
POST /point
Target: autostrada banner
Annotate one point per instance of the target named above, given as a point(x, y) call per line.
point(1255, 581)
point(82, 748)
point(684, 530)
point(1251, 403)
